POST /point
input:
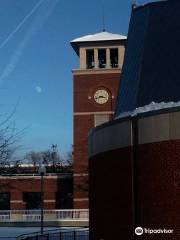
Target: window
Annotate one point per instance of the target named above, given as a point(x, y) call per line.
point(64, 200)
point(32, 200)
point(114, 57)
point(90, 58)
point(4, 201)
point(102, 58)
point(100, 119)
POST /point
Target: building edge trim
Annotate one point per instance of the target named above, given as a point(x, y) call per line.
point(95, 71)
point(16, 201)
point(154, 128)
point(80, 174)
point(92, 113)
point(80, 199)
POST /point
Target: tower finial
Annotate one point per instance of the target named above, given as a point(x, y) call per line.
point(134, 4)
point(103, 17)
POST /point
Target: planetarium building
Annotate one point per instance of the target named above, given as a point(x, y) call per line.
point(135, 159)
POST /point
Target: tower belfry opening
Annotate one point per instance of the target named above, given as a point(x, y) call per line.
point(90, 58)
point(103, 50)
point(102, 58)
point(114, 57)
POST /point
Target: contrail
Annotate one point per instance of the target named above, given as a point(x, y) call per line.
point(21, 24)
point(45, 11)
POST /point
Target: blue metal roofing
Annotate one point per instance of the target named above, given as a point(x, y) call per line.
point(151, 70)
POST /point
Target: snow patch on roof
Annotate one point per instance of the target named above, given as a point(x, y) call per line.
point(102, 36)
point(148, 108)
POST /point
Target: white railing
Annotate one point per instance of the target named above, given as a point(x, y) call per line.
point(49, 215)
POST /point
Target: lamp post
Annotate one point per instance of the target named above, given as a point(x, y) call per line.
point(42, 171)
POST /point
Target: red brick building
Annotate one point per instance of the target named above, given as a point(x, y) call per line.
point(23, 191)
point(95, 90)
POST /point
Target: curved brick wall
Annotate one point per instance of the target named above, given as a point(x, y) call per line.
point(135, 177)
point(110, 196)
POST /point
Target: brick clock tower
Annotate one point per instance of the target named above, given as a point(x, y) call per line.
point(95, 89)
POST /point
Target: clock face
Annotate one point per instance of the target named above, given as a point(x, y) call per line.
point(101, 96)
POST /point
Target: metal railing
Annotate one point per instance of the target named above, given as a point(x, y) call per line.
point(49, 215)
point(76, 234)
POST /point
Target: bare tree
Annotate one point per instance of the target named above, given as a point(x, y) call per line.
point(34, 158)
point(49, 157)
point(69, 159)
point(9, 138)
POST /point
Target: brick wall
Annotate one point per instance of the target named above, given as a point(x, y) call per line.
point(156, 192)
point(16, 186)
point(111, 196)
point(85, 86)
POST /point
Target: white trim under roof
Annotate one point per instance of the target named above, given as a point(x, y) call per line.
point(102, 36)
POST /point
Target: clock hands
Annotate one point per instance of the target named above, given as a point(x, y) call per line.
point(99, 97)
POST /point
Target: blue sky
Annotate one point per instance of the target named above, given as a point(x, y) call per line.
point(36, 60)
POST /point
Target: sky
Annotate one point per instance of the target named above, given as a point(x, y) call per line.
point(36, 60)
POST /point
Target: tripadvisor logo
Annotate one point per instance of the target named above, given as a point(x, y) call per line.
point(139, 231)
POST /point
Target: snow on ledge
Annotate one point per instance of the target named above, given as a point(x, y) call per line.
point(153, 106)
